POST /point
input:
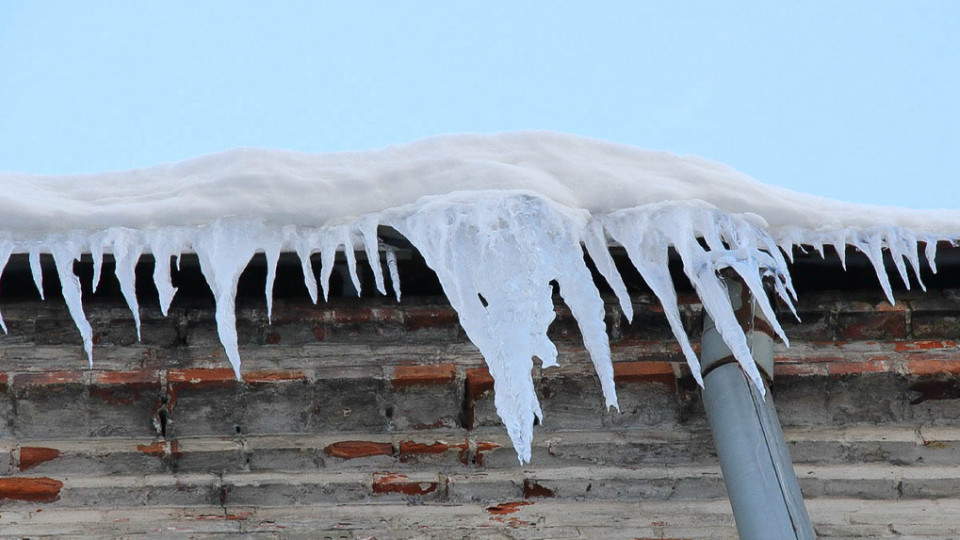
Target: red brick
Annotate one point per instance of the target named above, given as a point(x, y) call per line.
point(31, 456)
point(263, 377)
point(40, 489)
point(507, 508)
point(154, 449)
point(922, 345)
point(124, 387)
point(417, 318)
point(852, 368)
point(887, 307)
point(531, 490)
point(399, 483)
point(47, 378)
point(655, 372)
point(479, 382)
point(405, 376)
point(175, 449)
point(410, 447)
point(483, 447)
point(933, 367)
point(652, 308)
point(873, 325)
point(409, 450)
point(358, 449)
point(202, 377)
point(128, 377)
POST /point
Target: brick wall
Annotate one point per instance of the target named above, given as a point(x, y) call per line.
point(361, 402)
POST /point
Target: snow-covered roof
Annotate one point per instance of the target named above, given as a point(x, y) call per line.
point(498, 217)
point(295, 188)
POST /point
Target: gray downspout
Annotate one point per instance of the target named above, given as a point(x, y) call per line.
point(757, 470)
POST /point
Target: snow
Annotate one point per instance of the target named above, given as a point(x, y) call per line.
point(500, 218)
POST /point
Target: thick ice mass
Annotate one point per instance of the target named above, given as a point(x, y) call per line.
point(496, 254)
point(499, 218)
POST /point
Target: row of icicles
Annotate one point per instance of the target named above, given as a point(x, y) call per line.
point(495, 254)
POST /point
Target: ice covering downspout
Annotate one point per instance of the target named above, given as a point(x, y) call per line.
point(757, 470)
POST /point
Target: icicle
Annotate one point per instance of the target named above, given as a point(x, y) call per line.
point(648, 252)
point(6, 248)
point(165, 243)
point(716, 302)
point(96, 253)
point(328, 256)
point(872, 247)
point(331, 239)
point(908, 247)
point(930, 252)
point(394, 271)
point(225, 248)
point(368, 230)
point(305, 242)
point(894, 242)
point(65, 251)
point(787, 248)
point(35, 269)
point(840, 245)
point(481, 245)
point(272, 253)
point(351, 256)
point(735, 242)
point(596, 244)
point(127, 247)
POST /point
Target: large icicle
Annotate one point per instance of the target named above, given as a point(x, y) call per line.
point(127, 247)
point(66, 250)
point(495, 254)
point(97, 243)
point(331, 238)
point(271, 251)
point(598, 247)
point(225, 249)
point(305, 242)
point(165, 243)
point(371, 247)
point(394, 271)
point(647, 233)
point(649, 253)
point(35, 269)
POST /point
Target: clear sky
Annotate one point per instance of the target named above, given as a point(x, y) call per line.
point(856, 100)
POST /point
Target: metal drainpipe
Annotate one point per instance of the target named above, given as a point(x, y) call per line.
point(756, 466)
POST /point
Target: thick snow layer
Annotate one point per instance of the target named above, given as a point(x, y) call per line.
point(498, 217)
point(293, 188)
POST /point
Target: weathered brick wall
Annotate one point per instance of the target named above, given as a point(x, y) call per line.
point(366, 401)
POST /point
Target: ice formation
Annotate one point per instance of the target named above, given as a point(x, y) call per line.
point(500, 218)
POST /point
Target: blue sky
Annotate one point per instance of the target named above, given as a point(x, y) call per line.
point(852, 100)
